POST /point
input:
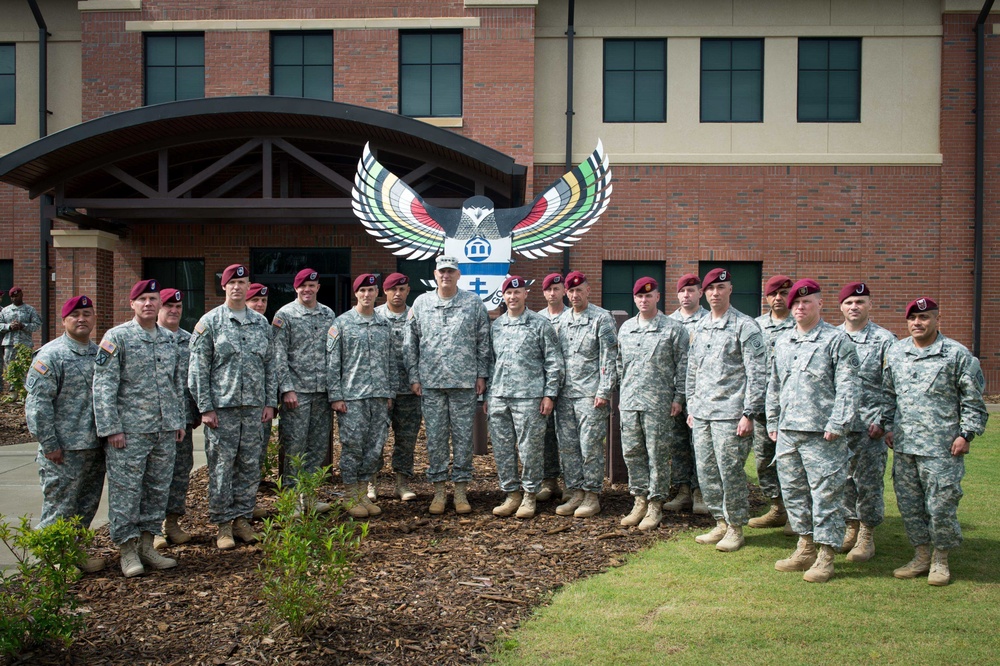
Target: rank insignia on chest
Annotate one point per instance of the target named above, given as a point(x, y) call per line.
point(278, 322)
point(40, 367)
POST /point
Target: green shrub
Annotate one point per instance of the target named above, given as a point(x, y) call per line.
point(16, 371)
point(36, 604)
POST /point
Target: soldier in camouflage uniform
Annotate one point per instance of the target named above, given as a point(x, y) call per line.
point(683, 470)
point(405, 415)
point(361, 381)
point(725, 391)
point(554, 290)
point(864, 505)
point(447, 353)
point(773, 324)
point(233, 382)
point(652, 370)
point(934, 409)
point(17, 322)
point(60, 414)
point(139, 407)
point(300, 330)
point(812, 404)
point(256, 300)
point(590, 354)
point(527, 373)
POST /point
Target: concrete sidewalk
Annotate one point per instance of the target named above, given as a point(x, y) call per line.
point(20, 493)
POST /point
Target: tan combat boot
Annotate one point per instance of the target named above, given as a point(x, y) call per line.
point(549, 489)
point(918, 566)
point(940, 574)
point(591, 506)
point(372, 508)
point(440, 499)
point(403, 491)
point(129, 552)
point(260, 511)
point(788, 531)
point(802, 559)
point(373, 489)
point(572, 504)
point(864, 548)
point(305, 506)
point(224, 539)
point(715, 536)
point(733, 540)
point(89, 564)
point(243, 531)
point(850, 535)
point(150, 558)
point(637, 513)
point(698, 505)
point(775, 516)
point(353, 493)
point(682, 501)
point(510, 505)
point(527, 508)
point(172, 531)
point(654, 514)
point(822, 568)
point(461, 500)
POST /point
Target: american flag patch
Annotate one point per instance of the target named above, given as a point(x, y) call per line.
point(333, 332)
point(40, 367)
point(108, 346)
point(278, 322)
point(199, 328)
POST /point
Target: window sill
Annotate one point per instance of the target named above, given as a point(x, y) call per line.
point(441, 122)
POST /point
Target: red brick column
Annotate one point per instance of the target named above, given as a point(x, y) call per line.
point(85, 264)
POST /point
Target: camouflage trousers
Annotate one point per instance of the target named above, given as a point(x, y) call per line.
point(517, 430)
point(550, 451)
point(864, 491)
point(763, 455)
point(72, 488)
point(183, 464)
point(233, 454)
point(646, 440)
point(364, 427)
point(449, 413)
point(720, 457)
point(404, 418)
point(928, 490)
point(139, 483)
point(265, 438)
point(683, 468)
point(813, 472)
point(582, 430)
point(305, 431)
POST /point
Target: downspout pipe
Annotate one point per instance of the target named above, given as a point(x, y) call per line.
point(44, 223)
point(977, 298)
point(570, 32)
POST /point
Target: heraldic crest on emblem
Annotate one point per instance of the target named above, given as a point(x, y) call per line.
point(480, 236)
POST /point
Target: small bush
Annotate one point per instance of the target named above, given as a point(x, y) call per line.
point(36, 604)
point(16, 372)
point(307, 556)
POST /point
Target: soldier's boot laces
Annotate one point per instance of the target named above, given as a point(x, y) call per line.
point(131, 565)
point(822, 570)
point(173, 531)
point(850, 535)
point(403, 491)
point(802, 559)
point(572, 504)
point(440, 499)
point(637, 514)
point(698, 505)
point(682, 501)
point(940, 573)
point(461, 500)
point(243, 531)
point(864, 549)
point(373, 489)
point(918, 566)
point(355, 505)
point(150, 558)
point(715, 536)
point(653, 517)
point(527, 508)
point(549, 490)
point(510, 505)
point(733, 540)
point(90, 564)
point(591, 506)
point(775, 516)
point(224, 539)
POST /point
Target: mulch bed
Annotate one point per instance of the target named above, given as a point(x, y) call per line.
point(13, 428)
point(428, 589)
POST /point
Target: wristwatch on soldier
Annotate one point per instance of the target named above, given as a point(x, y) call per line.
point(967, 436)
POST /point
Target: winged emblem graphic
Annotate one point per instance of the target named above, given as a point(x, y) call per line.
point(480, 236)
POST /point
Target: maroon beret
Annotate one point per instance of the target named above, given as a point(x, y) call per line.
point(234, 271)
point(256, 289)
point(644, 286)
point(776, 284)
point(551, 279)
point(575, 279)
point(364, 280)
point(920, 305)
point(76, 303)
point(174, 295)
point(143, 287)
point(688, 280)
point(394, 280)
point(303, 275)
point(803, 287)
point(513, 282)
point(716, 275)
point(1, 293)
point(854, 289)
point(14, 290)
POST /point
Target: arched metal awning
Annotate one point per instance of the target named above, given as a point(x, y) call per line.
point(265, 159)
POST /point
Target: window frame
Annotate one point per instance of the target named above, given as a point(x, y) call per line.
point(654, 269)
point(335, 291)
point(12, 76)
point(799, 72)
point(702, 71)
point(190, 313)
point(634, 71)
point(276, 34)
point(461, 72)
point(146, 66)
point(750, 290)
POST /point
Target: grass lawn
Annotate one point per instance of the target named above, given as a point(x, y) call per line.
point(684, 603)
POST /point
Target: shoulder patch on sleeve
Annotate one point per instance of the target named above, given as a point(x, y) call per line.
point(199, 328)
point(333, 332)
point(40, 367)
point(756, 343)
point(980, 380)
point(109, 346)
point(278, 322)
point(853, 360)
point(30, 381)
